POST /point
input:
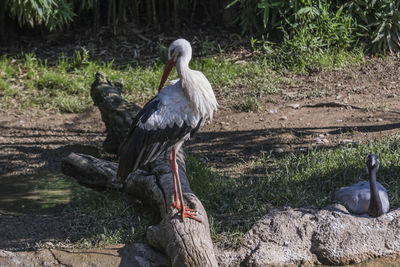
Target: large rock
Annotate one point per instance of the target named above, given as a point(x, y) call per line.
point(311, 236)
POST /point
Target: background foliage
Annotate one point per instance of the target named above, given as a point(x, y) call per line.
point(310, 24)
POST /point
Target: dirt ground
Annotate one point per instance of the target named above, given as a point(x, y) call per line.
point(328, 108)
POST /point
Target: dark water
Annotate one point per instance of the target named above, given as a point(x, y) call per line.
point(34, 193)
point(383, 262)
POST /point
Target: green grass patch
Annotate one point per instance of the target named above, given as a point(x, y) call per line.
point(306, 61)
point(296, 180)
point(29, 82)
point(103, 218)
point(299, 58)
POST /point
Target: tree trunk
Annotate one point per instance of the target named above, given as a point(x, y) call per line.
point(186, 243)
point(96, 16)
point(3, 7)
point(175, 14)
point(136, 12)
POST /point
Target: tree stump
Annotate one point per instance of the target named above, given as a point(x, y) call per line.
point(186, 243)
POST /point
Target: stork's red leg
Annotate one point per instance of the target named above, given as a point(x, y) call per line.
point(174, 169)
point(186, 212)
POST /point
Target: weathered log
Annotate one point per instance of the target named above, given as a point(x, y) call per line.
point(116, 113)
point(186, 243)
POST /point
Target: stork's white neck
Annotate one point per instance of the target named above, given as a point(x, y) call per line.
point(196, 88)
point(182, 65)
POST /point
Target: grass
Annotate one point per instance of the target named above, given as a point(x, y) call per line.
point(65, 87)
point(285, 58)
point(97, 219)
point(27, 82)
point(296, 180)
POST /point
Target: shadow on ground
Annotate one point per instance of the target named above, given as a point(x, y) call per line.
point(229, 148)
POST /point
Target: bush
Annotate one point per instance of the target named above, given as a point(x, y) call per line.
point(378, 23)
point(52, 14)
point(375, 24)
point(318, 28)
point(317, 38)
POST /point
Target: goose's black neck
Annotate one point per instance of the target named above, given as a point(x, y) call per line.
point(375, 208)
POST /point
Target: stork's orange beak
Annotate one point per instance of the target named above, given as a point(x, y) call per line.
point(167, 70)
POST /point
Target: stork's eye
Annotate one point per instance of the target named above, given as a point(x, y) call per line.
point(171, 52)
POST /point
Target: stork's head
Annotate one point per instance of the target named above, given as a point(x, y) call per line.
point(372, 162)
point(178, 48)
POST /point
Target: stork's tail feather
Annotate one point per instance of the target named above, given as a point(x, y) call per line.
point(125, 162)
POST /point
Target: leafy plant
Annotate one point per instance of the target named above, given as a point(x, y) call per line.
point(264, 16)
point(378, 23)
point(317, 27)
point(247, 18)
point(320, 36)
point(249, 104)
point(53, 14)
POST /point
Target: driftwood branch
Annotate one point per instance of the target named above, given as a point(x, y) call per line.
point(116, 113)
point(186, 243)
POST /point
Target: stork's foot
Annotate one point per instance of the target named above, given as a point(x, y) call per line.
point(178, 206)
point(186, 212)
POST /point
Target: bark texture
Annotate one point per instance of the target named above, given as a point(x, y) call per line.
point(116, 113)
point(186, 243)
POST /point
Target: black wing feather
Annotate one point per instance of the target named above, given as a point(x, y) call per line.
point(142, 146)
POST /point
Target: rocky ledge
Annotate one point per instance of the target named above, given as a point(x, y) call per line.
point(310, 236)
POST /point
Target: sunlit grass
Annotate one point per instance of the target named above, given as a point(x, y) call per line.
point(296, 180)
point(290, 58)
point(29, 82)
point(65, 87)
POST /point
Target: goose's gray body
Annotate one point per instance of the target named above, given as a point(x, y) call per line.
point(356, 197)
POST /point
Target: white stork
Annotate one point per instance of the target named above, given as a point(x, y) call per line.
point(169, 119)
